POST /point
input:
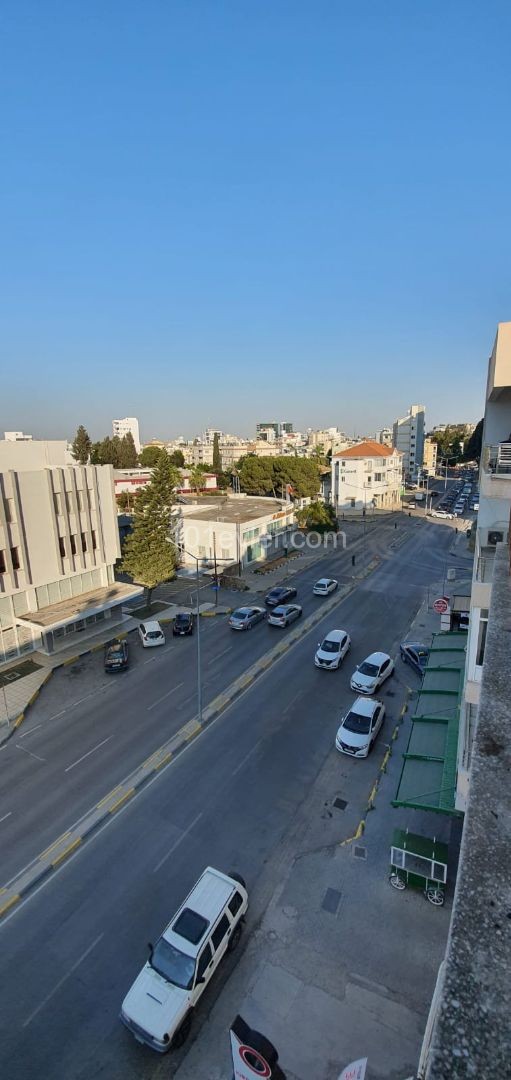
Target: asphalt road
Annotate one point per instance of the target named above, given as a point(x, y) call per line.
point(88, 730)
point(69, 952)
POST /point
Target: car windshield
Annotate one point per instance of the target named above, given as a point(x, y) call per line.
point(182, 618)
point(359, 724)
point(368, 669)
point(173, 965)
point(280, 610)
point(115, 650)
point(330, 646)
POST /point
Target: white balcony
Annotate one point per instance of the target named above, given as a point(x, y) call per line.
point(496, 460)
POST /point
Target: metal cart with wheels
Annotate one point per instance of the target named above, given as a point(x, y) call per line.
point(420, 863)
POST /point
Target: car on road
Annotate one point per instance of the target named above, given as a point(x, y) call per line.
point(116, 655)
point(183, 624)
point(244, 618)
point(158, 1008)
point(324, 586)
point(279, 595)
point(151, 633)
point(475, 505)
point(371, 673)
point(284, 614)
point(414, 654)
point(332, 650)
point(359, 727)
point(440, 514)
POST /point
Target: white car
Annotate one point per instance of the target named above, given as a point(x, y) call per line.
point(371, 673)
point(284, 614)
point(360, 726)
point(324, 586)
point(441, 514)
point(332, 650)
point(151, 633)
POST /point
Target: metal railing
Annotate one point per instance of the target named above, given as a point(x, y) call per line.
point(497, 459)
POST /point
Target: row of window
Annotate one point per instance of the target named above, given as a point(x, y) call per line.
point(82, 497)
point(15, 556)
point(225, 554)
point(73, 542)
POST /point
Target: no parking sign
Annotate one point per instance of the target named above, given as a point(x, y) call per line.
point(253, 1055)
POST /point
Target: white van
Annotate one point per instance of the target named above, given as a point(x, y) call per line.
point(159, 1007)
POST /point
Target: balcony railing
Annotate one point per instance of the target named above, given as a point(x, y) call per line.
point(497, 459)
point(484, 568)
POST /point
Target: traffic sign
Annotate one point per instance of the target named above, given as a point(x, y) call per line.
point(441, 605)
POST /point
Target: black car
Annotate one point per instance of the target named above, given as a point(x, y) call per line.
point(280, 595)
point(414, 654)
point(183, 624)
point(116, 655)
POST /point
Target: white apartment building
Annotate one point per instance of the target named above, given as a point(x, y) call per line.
point(239, 529)
point(408, 439)
point(59, 542)
point(129, 425)
point(493, 527)
point(16, 436)
point(384, 436)
point(429, 456)
point(366, 476)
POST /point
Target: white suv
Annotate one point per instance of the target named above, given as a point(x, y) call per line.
point(372, 673)
point(159, 1007)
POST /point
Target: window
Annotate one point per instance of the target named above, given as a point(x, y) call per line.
point(343, 479)
point(73, 544)
point(378, 477)
point(220, 931)
point(481, 638)
point(235, 903)
point(204, 960)
point(352, 501)
point(190, 925)
point(9, 510)
point(84, 541)
point(2, 562)
point(15, 556)
point(62, 547)
point(226, 554)
point(69, 505)
point(57, 502)
point(94, 541)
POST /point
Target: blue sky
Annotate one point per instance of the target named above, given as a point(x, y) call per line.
point(217, 211)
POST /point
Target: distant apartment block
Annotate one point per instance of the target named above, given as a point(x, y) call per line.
point(129, 425)
point(16, 436)
point(279, 428)
point(59, 542)
point(384, 436)
point(408, 439)
point(366, 476)
point(430, 456)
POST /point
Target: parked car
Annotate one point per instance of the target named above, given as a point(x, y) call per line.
point(151, 633)
point(279, 595)
point(116, 655)
point(324, 586)
point(441, 514)
point(475, 505)
point(359, 728)
point(372, 673)
point(158, 1008)
point(284, 614)
point(183, 624)
point(244, 618)
point(414, 654)
point(332, 650)
point(410, 506)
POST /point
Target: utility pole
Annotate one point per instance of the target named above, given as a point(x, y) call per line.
point(216, 575)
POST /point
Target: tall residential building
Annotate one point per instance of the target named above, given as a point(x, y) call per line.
point(366, 476)
point(408, 438)
point(280, 427)
point(429, 457)
point(129, 425)
point(493, 527)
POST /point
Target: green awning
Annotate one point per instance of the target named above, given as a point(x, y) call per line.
point(428, 776)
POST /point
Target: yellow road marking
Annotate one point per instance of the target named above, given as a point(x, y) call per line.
point(67, 851)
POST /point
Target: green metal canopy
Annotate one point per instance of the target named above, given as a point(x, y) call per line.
point(428, 776)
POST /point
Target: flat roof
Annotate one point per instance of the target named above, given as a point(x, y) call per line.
point(77, 607)
point(233, 510)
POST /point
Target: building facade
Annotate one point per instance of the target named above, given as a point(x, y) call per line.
point(129, 425)
point(59, 542)
point(365, 477)
point(384, 436)
point(408, 439)
point(429, 457)
point(133, 480)
point(279, 428)
point(492, 528)
point(236, 530)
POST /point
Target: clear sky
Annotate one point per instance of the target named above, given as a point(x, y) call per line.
point(220, 211)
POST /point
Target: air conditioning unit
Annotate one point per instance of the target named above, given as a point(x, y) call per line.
point(495, 537)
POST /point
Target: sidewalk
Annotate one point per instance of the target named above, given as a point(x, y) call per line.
point(340, 966)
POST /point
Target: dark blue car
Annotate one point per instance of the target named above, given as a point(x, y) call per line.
point(414, 654)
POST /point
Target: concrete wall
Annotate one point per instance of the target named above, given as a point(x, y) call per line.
point(34, 454)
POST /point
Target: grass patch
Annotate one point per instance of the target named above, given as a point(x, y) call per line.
point(147, 612)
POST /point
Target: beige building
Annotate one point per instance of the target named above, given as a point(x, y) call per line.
point(237, 529)
point(430, 454)
point(59, 542)
point(366, 476)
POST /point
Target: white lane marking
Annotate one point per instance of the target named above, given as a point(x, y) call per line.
point(62, 981)
point(30, 730)
point(291, 703)
point(57, 714)
point(29, 752)
point(177, 843)
point(89, 752)
point(219, 655)
point(169, 692)
point(4, 818)
point(247, 756)
point(150, 660)
point(188, 699)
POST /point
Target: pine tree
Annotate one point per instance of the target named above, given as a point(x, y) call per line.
point(149, 556)
point(81, 446)
point(217, 457)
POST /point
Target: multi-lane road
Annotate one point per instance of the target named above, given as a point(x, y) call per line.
point(70, 950)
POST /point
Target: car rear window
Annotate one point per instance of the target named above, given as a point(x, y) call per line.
point(154, 633)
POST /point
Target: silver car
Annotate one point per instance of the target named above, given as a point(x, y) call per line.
point(284, 614)
point(244, 618)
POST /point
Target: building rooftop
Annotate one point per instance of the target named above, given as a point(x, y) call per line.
point(368, 448)
point(244, 509)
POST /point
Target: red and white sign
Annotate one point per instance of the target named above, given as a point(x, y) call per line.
point(441, 605)
point(355, 1071)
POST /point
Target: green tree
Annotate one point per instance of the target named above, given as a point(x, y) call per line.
point(81, 446)
point(197, 477)
point(126, 500)
point(256, 475)
point(177, 458)
point(449, 441)
point(149, 557)
point(128, 458)
point(149, 456)
point(473, 445)
point(217, 457)
point(318, 516)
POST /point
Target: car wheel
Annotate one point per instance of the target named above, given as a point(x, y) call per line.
point(182, 1032)
point(237, 877)
point(234, 939)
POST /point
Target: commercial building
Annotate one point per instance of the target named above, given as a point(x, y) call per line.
point(492, 528)
point(429, 456)
point(127, 426)
point(133, 480)
point(366, 476)
point(279, 428)
point(237, 529)
point(59, 542)
point(408, 439)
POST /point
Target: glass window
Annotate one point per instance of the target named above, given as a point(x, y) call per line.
point(69, 504)
point(191, 926)
point(204, 961)
point(84, 541)
point(15, 556)
point(73, 544)
point(57, 502)
point(9, 510)
point(220, 931)
point(94, 541)
point(235, 903)
point(62, 546)
point(2, 562)
point(176, 967)
point(481, 638)
point(20, 603)
point(42, 596)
